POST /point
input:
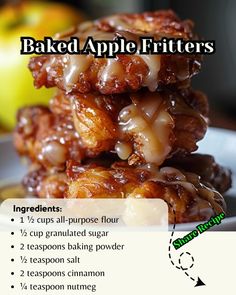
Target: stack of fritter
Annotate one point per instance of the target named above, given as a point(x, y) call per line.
point(125, 126)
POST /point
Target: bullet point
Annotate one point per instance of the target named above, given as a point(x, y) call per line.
point(12, 246)
point(12, 260)
point(12, 219)
point(12, 287)
point(12, 233)
point(12, 273)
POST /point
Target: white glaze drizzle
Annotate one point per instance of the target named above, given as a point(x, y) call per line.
point(123, 150)
point(153, 63)
point(178, 178)
point(75, 65)
point(151, 126)
point(112, 69)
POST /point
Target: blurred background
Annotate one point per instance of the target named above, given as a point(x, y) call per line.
point(214, 19)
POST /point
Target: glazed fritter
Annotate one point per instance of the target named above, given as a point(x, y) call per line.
point(192, 199)
point(125, 73)
point(142, 127)
point(192, 196)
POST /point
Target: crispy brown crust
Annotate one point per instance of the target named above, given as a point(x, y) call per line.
point(205, 166)
point(27, 127)
point(95, 118)
point(43, 184)
point(46, 138)
point(161, 21)
point(131, 70)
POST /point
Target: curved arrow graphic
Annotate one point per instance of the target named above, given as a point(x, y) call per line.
point(179, 266)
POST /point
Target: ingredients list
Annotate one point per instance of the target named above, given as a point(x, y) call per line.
point(79, 246)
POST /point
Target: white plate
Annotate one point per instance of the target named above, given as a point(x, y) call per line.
point(218, 142)
point(10, 165)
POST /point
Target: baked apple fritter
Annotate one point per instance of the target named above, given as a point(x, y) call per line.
point(125, 73)
point(192, 196)
point(141, 127)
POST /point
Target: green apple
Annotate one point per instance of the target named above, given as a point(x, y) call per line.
point(34, 19)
